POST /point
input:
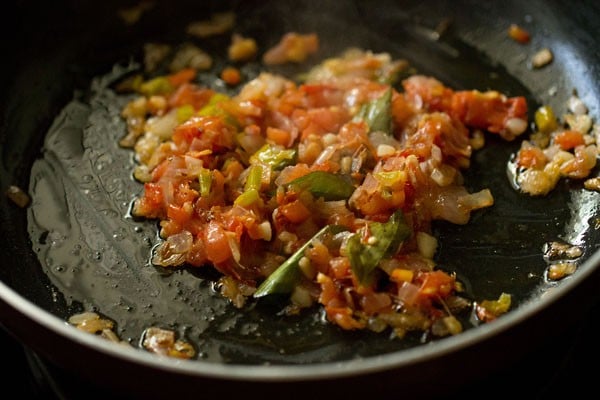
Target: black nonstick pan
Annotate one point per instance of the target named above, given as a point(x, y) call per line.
point(75, 247)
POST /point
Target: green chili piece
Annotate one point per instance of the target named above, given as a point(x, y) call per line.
point(211, 109)
point(254, 178)
point(159, 85)
point(247, 198)
point(184, 113)
point(498, 307)
point(378, 113)
point(276, 157)
point(205, 180)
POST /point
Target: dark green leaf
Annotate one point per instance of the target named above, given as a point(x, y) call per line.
point(288, 274)
point(364, 257)
point(324, 184)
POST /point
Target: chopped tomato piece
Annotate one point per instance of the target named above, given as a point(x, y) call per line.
point(216, 243)
point(569, 139)
point(231, 76)
point(180, 77)
point(436, 283)
point(531, 157)
point(189, 93)
point(295, 211)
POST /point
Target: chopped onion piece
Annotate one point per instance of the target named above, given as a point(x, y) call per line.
point(516, 126)
point(385, 150)
point(427, 244)
point(576, 106)
point(407, 293)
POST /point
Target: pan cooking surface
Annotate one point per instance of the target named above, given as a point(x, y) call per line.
point(97, 257)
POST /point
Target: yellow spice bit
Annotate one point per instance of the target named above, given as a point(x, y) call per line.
point(402, 275)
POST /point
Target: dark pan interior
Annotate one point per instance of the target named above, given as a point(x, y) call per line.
point(75, 248)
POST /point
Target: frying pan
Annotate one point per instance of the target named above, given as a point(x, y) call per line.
point(75, 248)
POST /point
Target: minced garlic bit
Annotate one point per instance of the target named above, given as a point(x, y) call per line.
point(592, 184)
point(576, 105)
point(542, 58)
point(384, 150)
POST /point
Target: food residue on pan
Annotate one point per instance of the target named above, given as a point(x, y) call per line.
point(561, 258)
point(93, 323)
point(164, 342)
point(542, 58)
point(156, 340)
point(519, 34)
point(557, 149)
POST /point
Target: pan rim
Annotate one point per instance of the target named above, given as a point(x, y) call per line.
point(312, 371)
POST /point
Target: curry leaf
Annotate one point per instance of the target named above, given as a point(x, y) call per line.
point(288, 274)
point(384, 241)
point(323, 184)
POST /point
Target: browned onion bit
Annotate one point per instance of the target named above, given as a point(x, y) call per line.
point(18, 196)
point(163, 342)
